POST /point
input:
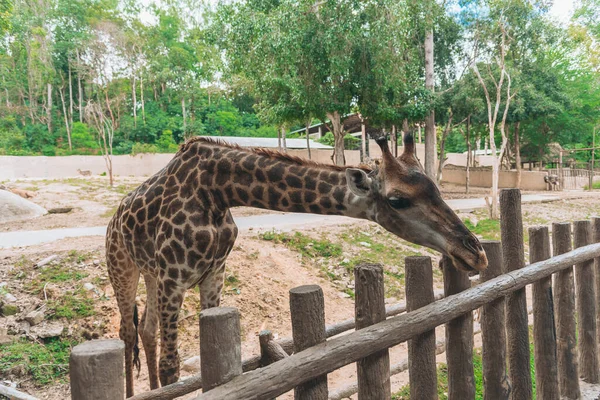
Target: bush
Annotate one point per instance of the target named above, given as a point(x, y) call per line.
point(165, 142)
point(142, 148)
point(81, 138)
point(12, 140)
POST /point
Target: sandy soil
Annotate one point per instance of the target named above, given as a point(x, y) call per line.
point(263, 273)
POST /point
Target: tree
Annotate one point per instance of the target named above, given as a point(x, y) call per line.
point(105, 132)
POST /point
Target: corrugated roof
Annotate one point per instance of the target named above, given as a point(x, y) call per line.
point(269, 142)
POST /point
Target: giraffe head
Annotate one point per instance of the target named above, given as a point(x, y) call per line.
point(408, 203)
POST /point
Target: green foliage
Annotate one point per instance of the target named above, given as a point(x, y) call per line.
point(305, 245)
point(165, 142)
point(81, 138)
point(350, 142)
point(47, 362)
point(143, 148)
point(12, 140)
point(486, 228)
point(72, 305)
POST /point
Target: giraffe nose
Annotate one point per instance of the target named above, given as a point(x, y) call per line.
point(471, 243)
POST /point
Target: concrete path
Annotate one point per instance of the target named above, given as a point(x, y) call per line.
point(254, 223)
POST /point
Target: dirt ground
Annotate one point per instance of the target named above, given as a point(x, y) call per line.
point(260, 274)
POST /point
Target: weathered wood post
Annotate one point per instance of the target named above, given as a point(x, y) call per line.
point(270, 350)
point(459, 338)
point(596, 238)
point(307, 307)
point(220, 346)
point(517, 329)
point(496, 385)
point(422, 372)
point(566, 339)
point(544, 331)
point(96, 370)
point(586, 306)
point(373, 371)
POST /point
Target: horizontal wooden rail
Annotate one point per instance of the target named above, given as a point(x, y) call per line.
point(192, 383)
point(288, 373)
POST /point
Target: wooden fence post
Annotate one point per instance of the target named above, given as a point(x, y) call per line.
point(496, 385)
point(596, 239)
point(373, 371)
point(586, 306)
point(517, 328)
point(544, 331)
point(422, 371)
point(566, 338)
point(220, 346)
point(459, 338)
point(307, 307)
point(96, 370)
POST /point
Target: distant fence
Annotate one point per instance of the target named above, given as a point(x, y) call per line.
point(482, 177)
point(565, 334)
point(571, 178)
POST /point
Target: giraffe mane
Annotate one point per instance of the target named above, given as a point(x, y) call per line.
point(272, 154)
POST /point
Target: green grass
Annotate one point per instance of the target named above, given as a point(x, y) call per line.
point(110, 212)
point(71, 305)
point(442, 378)
point(54, 274)
point(47, 363)
point(304, 244)
point(595, 185)
point(486, 228)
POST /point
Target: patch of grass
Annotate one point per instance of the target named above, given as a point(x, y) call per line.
point(595, 185)
point(32, 188)
point(72, 305)
point(442, 378)
point(46, 363)
point(350, 292)
point(486, 228)
point(110, 212)
point(54, 274)
point(304, 244)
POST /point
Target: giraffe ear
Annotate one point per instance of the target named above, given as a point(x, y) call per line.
point(358, 182)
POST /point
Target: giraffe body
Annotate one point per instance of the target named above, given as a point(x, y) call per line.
point(176, 229)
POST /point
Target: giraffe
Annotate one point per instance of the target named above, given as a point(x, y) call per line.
point(176, 229)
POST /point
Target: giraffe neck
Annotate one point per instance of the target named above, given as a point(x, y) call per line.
point(235, 177)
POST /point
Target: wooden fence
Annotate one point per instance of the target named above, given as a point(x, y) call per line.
point(565, 319)
point(574, 178)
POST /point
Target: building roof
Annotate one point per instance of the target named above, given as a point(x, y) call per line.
point(351, 123)
point(269, 142)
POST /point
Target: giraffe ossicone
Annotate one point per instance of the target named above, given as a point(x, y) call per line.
point(176, 229)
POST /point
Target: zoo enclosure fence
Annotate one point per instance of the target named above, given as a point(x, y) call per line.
point(565, 335)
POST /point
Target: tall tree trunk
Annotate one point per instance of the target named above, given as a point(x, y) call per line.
point(363, 141)
point(70, 94)
point(64, 107)
point(142, 99)
point(394, 141)
point(338, 138)
point(283, 140)
point(183, 114)
point(469, 155)
point(49, 108)
point(279, 138)
point(134, 99)
point(308, 139)
point(80, 97)
point(518, 152)
point(430, 139)
point(442, 146)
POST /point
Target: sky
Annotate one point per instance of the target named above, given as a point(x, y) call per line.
point(562, 10)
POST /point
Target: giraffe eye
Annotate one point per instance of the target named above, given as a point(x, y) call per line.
point(399, 203)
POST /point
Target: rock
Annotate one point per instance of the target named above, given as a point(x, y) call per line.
point(191, 364)
point(3, 284)
point(17, 371)
point(47, 330)
point(60, 210)
point(89, 286)
point(96, 262)
point(9, 298)
point(344, 295)
point(5, 339)
point(35, 317)
point(46, 260)
point(365, 244)
point(9, 309)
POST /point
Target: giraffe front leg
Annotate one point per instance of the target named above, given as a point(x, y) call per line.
point(211, 288)
point(148, 329)
point(170, 298)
